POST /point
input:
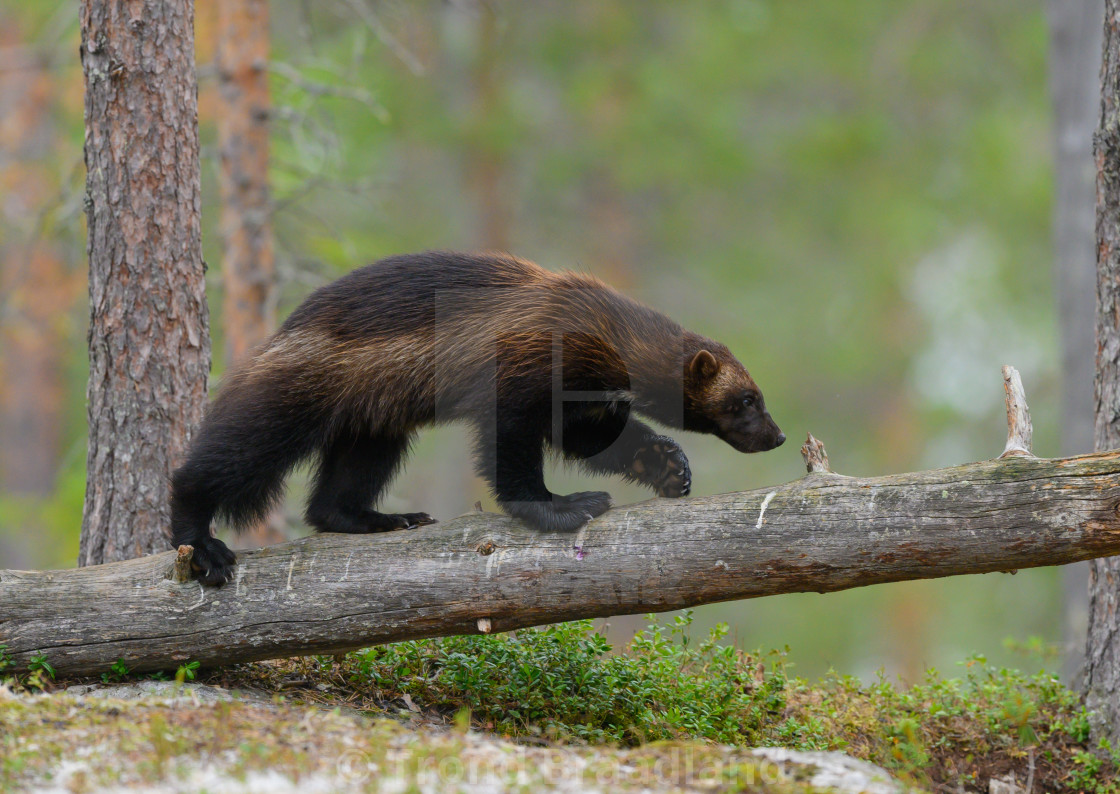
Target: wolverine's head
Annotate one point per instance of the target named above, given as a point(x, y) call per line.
point(721, 398)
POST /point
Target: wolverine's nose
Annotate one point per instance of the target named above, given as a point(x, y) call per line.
point(781, 439)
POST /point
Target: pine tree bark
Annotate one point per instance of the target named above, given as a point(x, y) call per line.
point(149, 343)
point(248, 263)
point(1102, 664)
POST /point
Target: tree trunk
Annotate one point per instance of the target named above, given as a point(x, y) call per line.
point(1102, 663)
point(149, 342)
point(485, 572)
point(248, 261)
point(1075, 50)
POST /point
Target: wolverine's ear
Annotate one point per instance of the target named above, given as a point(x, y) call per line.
point(703, 366)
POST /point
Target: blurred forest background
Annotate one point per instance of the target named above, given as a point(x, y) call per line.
point(856, 197)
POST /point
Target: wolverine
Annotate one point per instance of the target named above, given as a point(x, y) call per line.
point(533, 360)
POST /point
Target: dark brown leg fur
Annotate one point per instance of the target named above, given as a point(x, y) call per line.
point(612, 443)
point(352, 475)
point(511, 457)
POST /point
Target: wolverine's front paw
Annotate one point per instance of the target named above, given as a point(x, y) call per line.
point(662, 465)
point(212, 562)
point(562, 514)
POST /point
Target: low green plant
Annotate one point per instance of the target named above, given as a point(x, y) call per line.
point(117, 672)
point(1091, 773)
point(563, 681)
point(566, 682)
point(186, 672)
point(39, 664)
point(955, 730)
point(39, 670)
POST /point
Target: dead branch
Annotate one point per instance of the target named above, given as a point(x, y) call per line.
point(1019, 428)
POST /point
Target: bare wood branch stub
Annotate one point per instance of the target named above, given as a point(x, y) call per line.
point(1020, 432)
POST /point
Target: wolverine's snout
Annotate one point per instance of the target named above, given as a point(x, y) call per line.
point(758, 435)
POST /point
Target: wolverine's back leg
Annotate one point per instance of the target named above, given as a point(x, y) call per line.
point(235, 470)
point(353, 473)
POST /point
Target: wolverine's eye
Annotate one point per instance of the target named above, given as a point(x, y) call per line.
point(748, 401)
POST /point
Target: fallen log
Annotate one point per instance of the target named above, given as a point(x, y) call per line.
point(485, 572)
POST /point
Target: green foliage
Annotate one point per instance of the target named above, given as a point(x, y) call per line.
point(1091, 770)
point(563, 681)
point(39, 673)
point(186, 672)
point(39, 664)
point(117, 672)
point(5, 659)
point(952, 730)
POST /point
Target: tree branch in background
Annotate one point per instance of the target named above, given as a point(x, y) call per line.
point(248, 261)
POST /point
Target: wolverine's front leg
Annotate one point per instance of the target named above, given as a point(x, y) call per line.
point(612, 443)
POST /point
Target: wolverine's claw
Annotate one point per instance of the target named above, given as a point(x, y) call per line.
point(416, 520)
point(212, 562)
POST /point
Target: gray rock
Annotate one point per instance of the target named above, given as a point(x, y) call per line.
point(832, 771)
point(162, 690)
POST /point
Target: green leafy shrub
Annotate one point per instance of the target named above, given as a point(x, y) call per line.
point(566, 682)
point(563, 681)
point(961, 730)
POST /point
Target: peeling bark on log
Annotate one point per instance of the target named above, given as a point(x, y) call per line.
point(486, 572)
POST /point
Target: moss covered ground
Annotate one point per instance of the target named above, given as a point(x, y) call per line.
point(554, 707)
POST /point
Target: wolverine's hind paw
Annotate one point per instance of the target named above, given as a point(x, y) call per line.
point(563, 513)
point(390, 522)
point(212, 562)
point(662, 465)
